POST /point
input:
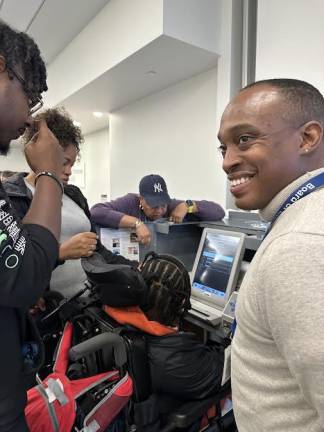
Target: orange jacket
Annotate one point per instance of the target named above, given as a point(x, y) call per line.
point(134, 316)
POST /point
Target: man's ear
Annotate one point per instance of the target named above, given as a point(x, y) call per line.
point(311, 137)
point(3, 64)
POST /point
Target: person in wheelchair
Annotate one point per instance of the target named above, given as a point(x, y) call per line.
point(180, 366)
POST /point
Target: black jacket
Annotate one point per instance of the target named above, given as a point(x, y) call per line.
point(20, 197)
point(184, 368)
point(181, 369)
point(27, 257)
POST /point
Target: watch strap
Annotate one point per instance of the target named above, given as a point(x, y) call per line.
point(190, 206)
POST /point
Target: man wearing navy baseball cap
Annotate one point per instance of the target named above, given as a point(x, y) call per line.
point(154, 190)
point(152, 203)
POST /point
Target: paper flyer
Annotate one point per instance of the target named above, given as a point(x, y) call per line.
point(120, 242)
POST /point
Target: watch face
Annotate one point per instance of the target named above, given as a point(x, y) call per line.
point(189, 203)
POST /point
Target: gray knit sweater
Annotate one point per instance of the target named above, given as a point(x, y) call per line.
point(278, 348)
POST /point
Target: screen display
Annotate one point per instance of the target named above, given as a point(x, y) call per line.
point(215, 264)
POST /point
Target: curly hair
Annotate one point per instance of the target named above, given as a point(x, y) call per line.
point(61, 124)
point(169, 288)
point(20, 50)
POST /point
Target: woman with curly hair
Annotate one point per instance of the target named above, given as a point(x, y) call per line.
point(78, 238)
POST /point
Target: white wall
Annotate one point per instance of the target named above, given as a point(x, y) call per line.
point(290, 40)
point(15, 160)
point(172, 133)
point(197, 22)
point(120, 29)
point(95, 153)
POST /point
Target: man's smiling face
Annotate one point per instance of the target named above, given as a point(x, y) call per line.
point(261, 150)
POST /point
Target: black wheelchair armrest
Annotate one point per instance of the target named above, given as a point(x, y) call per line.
point(187, 413)
point(98, 342)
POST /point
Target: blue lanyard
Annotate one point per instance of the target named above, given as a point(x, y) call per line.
point(305, 189)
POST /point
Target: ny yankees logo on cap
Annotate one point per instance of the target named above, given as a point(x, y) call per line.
point(158, 187)
point(154, 190)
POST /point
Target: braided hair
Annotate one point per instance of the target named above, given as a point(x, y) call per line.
point(169, 288)
point(19, 49)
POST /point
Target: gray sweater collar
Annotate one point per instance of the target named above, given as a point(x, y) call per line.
point(268, 212)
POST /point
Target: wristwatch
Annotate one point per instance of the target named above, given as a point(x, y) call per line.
point(138, 223)
point(190, 206)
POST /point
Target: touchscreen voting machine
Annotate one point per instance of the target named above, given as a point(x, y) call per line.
point(215, 272)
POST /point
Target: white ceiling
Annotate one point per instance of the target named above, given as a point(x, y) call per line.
point(51, 23)
point(171, 61)
point(54, 23)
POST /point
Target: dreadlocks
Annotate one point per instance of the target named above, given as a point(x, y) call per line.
point(169, 287)
point(20, 50)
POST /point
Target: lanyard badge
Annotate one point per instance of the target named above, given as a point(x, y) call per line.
point(305, 189)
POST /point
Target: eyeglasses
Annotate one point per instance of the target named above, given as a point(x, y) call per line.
point(35, 102)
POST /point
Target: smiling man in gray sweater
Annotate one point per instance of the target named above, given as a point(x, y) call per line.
point(271, 138)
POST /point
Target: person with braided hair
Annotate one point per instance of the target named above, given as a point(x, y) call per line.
point(28, 248)
point(180, 365)
point(169, 289)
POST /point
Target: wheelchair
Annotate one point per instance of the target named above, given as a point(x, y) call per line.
point(73, 399)
point(93, 352)
point(149, 411)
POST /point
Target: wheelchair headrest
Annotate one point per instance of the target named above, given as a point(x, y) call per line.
point(117, 285)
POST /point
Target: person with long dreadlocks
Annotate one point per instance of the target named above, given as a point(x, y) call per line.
point(180, 366)
point(28, 248)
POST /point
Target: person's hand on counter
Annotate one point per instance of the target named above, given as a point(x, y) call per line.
point(179, 213)
point(143, 234)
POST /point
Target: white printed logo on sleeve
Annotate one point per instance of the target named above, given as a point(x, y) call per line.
point(12, 243)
